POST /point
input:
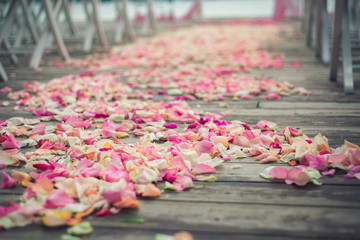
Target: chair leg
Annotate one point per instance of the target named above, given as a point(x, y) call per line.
point(5, 28)
point(308, 21)
point(13, 56)
point(318, 36)
point(3, 74)
point(39, 49)
point(68, 16)
point(357, 17)
point(29, 21)
point(335, 39)
point(151, 16)
point(346, 52)
point(55, 30)
point(8, 20)
point(99, 27)
point(325, 34)
point(89, 34)
point(128, 26)
point(89, 31)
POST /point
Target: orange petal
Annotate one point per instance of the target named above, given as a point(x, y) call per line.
point(122, 135)
point(151, 191)
point(20, 176)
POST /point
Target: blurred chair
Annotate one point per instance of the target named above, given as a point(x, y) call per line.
point(51, 30)
point(150, 23)
point(93, 24)
point(123, 24)
point(341, 40)
point(16, 21)
point(344, 31)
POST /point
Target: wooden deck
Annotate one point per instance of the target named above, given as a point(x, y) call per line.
point(240, 205)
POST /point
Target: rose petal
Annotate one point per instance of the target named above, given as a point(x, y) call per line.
point(7, 181)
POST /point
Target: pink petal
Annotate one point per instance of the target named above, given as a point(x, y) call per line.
point(330, 172)
point(272, 96)
point(249, 134)
point(293, 132)
point(177, 162)
point(43, 167)
point(296, 64)
point(5, 90)
point(315, 162)
point(7, 181)
point(5, 211)
point(204, 146)
point(171, 125)
point(335, 158)
point(10, 143)
point(183, 182)
point(170, 176)
point(354, 156)
point(352, 172)
point(38, 129)
point(297, 176)
point(107, 132)
point(58, 198)
point(203, 168)
point(111, 195)
point(278, 172)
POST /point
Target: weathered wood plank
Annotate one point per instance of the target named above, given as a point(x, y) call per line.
point(309, 105)
point(290, 112)
point(134, 231)
point(250, 173)
point(241, 218)
point(269, 194)
point(345, 196)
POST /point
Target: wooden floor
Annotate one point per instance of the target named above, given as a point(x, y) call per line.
point(240, 205)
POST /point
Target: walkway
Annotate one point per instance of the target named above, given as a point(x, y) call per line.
point(241, 204)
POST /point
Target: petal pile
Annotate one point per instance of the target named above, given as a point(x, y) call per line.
point(75, 151)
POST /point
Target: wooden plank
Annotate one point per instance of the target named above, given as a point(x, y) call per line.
point(250, 173)
point(309, 105)
point(298, 121)
point(135, 231)
point(290, 112)
point(268, 194)
point(241, 218)
point(249, 193)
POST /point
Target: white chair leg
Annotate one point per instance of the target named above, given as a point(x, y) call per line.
point(55, 30)
point(346, 52)
point(98, 25)
point(3, 74)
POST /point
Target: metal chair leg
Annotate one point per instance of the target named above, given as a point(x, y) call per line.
point(151, 16)
point(29, 21)
point(94, 22)
point(335, 39)
point(119, 22)
point(89, 34)
point(55, 30)
point(346, 52)
point(39, 49)
point(318, 17)
point(325, 48)
point(309, 33)
point(13, 56)
point(3, 74)
point(45, 36)
point(8, 20)
point(128, 26)
point(68, 17)
point(99, 27)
